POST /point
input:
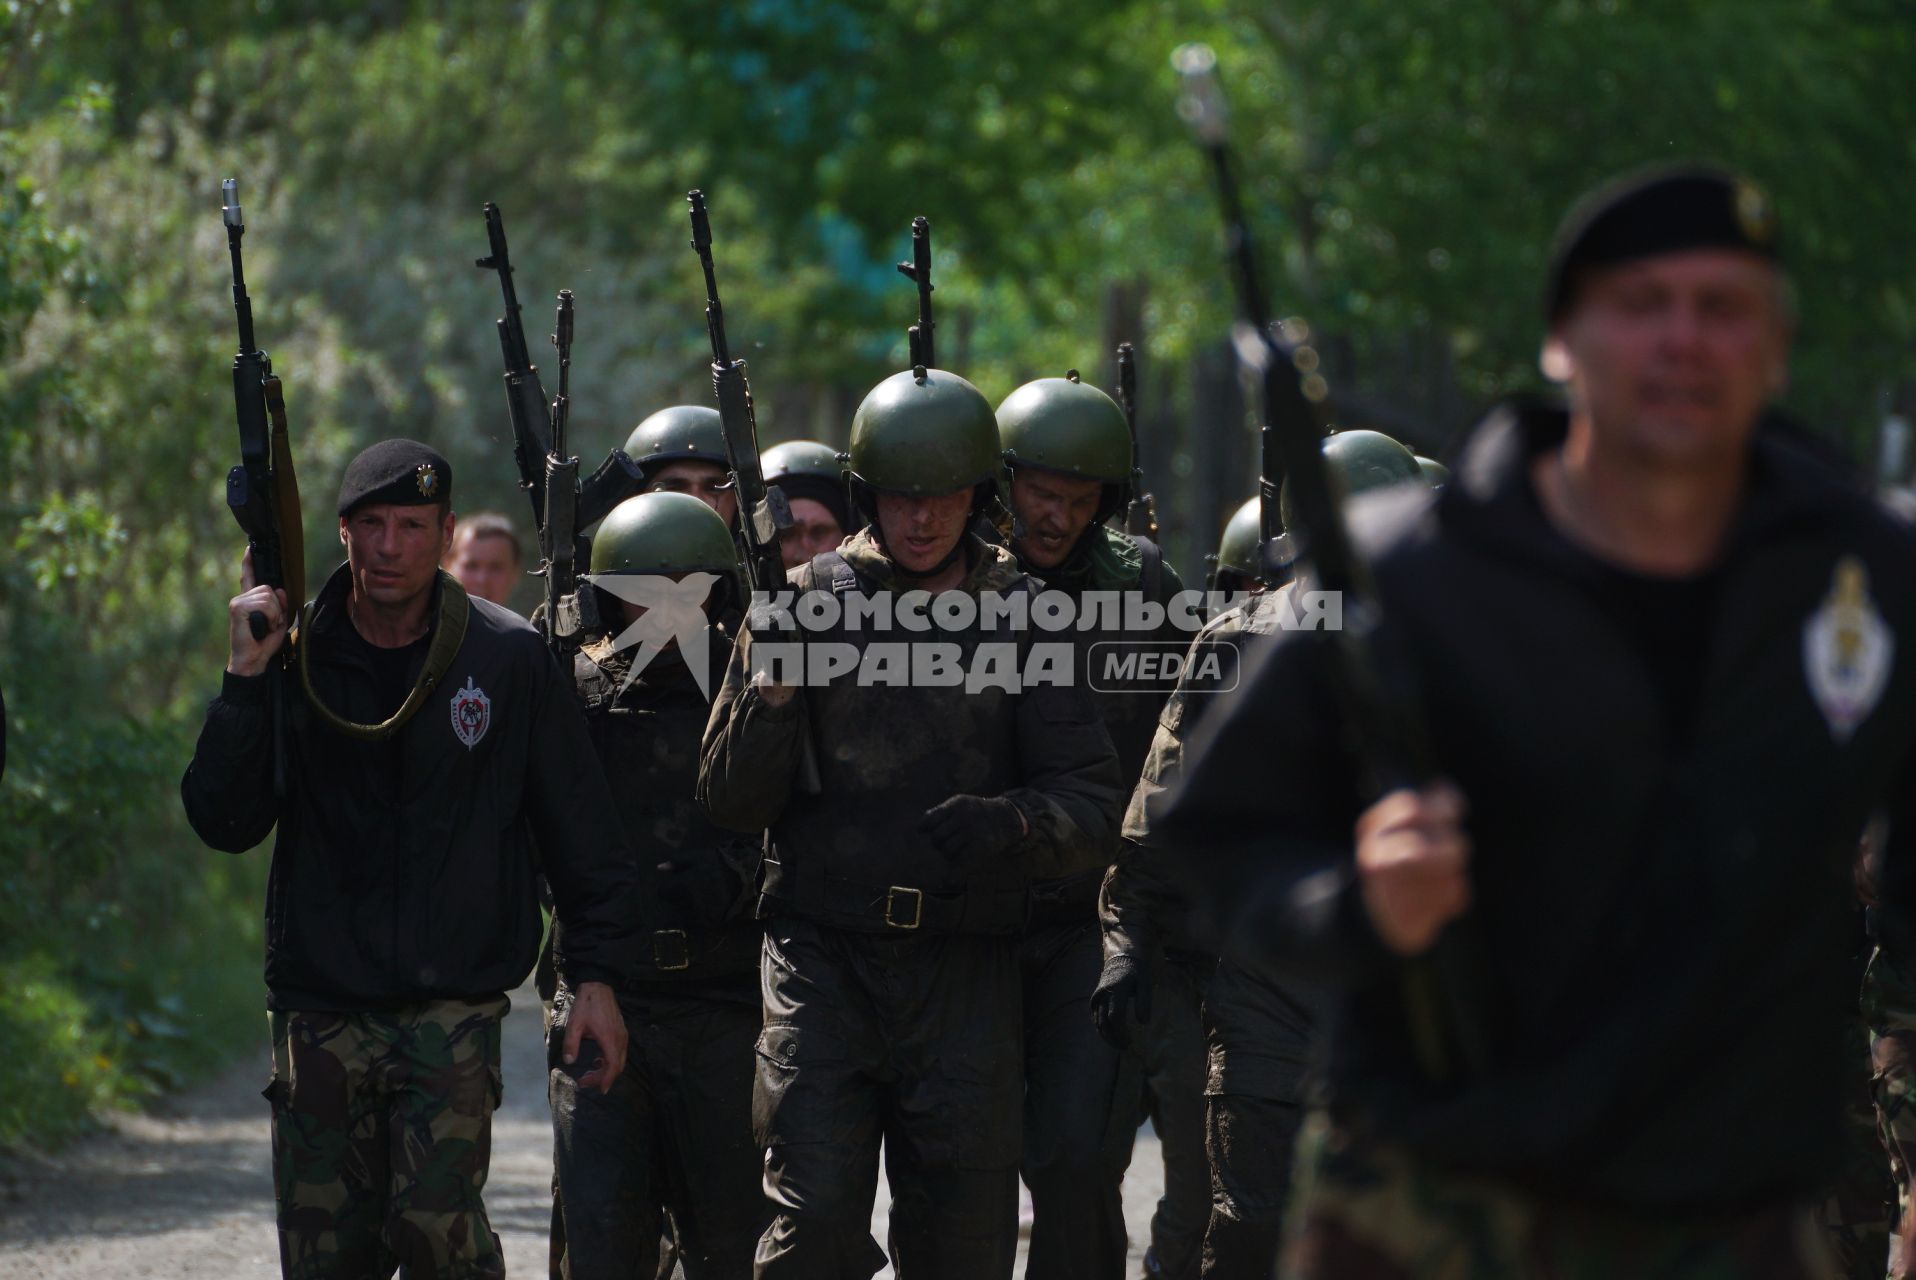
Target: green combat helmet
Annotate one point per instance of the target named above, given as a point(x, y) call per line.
point(1360, 461)
point(1436, 474)
point(802, 458)
point(682, 431)
point(922, 433)
point(1237, 564)
point(664, 533)
point(1237, 549)
point(809, 469)
point(1062, 425)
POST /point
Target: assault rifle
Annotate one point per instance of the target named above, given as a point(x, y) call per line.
point(1392, 744)
point(1141, 513)
point(525, 397)
point(763, 513)
point(918, 271)
point(262, 491)
point(558, 534)
point(617, 478)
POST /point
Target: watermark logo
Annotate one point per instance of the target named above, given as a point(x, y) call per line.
point(1140, 666)
point(1110, 641)
point(674, 613)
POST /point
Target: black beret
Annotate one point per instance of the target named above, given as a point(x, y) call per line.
point(399, 473)
point(831, 494)
point(1655, 211)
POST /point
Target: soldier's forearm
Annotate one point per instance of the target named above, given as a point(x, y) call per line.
point(227, 790)
point(750, 760)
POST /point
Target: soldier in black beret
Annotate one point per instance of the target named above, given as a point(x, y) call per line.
point(431, 741)
point(1588, 974)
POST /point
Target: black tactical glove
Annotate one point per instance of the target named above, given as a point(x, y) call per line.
point(973, 831)
point(696, 890)
point(1124, 986)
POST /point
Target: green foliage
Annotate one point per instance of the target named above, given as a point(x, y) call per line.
point(128, 954)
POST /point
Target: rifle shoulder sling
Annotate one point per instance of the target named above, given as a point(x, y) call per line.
point(449, 632)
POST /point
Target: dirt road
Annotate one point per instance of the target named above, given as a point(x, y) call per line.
point(187, 1191)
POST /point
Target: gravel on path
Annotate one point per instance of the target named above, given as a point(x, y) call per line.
point(186, 1190)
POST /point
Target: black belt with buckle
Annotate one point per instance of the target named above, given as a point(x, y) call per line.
point(904, 908)
point(900, 899)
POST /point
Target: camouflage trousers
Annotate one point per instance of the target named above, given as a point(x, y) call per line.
point(382, 1132)
point(1856, 1213)
point(1365, 1212)
point(1889, 1008)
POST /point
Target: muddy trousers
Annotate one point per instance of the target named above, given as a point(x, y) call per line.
point(672, 1142)
point(382, 1134)
point(1083, 1101)
point(1251, 1143)
point(909, 1040)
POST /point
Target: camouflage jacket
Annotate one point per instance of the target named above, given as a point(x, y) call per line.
point(1143, 903)
point(1261, 1025)
point(851, 853)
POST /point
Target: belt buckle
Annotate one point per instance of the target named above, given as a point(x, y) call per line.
point(917, 906)
point(660, 950)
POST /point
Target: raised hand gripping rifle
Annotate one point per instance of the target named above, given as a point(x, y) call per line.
point(1392, 743)
point(1141, 513)
point(617, 478)
point(918, 271)
point(262, 491)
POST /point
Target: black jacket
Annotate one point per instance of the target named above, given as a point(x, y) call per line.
point(704, 939)
point(403, 870)
point(1129, 707)
point(1662, 918)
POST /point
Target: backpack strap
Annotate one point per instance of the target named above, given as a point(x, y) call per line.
point(844, 579)
point(1153, 566)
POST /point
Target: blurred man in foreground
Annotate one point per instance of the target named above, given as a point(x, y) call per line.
point(1652, 642)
